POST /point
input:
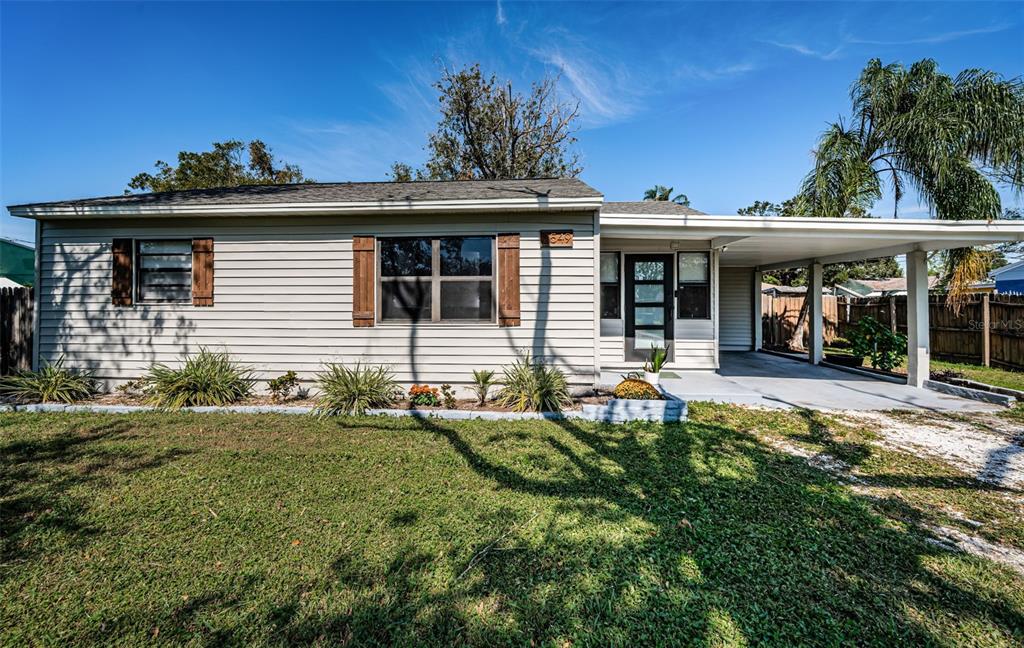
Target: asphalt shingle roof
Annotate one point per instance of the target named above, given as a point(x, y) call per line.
point(352, 192)
point(662, 207)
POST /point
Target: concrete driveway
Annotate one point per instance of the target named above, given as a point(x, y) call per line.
point(771, 381)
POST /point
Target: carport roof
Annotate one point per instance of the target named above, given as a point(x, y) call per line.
point(786, 242)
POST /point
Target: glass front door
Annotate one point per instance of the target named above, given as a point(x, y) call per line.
point(648, 312)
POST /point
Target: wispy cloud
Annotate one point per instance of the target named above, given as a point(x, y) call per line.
point(937, 38)
point(499, 16)
point(829, 54)
point(604, 92)
point(690, 71)
point(808, 51)
point(338, 150)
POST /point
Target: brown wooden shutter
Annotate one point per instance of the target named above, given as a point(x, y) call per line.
point(121, 272)
point(202, 272)
point(508, 280)
point(362, 281)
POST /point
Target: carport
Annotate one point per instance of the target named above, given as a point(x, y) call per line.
point(745, 248)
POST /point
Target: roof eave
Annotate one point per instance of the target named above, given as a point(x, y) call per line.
point(712, 225)
point(58, 212)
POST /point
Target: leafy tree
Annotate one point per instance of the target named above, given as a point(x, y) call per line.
point(761, 209)
point(402, 172)
point(765, 208)
point(946, 137)
point(227, 165)
point(489, 132)
point(663, 193)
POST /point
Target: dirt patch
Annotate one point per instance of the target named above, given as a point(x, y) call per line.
point(986, 447)
point(946, 537)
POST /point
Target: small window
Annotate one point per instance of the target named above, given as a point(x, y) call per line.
point(449, 279)
point(164, 271)
point(610, 286)
point(694, 285)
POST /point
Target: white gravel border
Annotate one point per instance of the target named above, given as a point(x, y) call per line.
point(616, 411)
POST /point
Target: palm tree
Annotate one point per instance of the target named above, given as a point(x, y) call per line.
point(918, 129)
point(661, 192)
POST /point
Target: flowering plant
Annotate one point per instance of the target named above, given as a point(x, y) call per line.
point(424, 395)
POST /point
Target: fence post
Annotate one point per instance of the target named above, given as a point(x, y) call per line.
point(986, 324)
point(892, 313)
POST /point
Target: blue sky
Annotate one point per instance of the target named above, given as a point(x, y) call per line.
point(722, 101)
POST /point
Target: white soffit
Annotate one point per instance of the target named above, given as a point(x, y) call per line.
point(769, 242)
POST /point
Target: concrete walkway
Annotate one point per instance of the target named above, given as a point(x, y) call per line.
point(771, 381)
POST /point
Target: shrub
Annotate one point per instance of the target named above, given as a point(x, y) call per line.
point(873, 340)
point(353, 391)
point(424, 396)
point(448, 396)
point(52, 383)
point(637, 390)
point(532, 386)
point(207, 378)
point(483, 380)
point(656, 359)
point(282, 386)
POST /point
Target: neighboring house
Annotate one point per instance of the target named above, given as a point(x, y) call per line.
point(1009, 278)
point(788, 291)
point(17, 262)
point(783, 291)
point(877, 287)
point(433, 279)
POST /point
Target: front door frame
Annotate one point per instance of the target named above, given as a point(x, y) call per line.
point(629, 311)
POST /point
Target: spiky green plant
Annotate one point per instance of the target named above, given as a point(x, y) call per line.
point(50, 384)
point(533, 386)
point(946, 137)
point(352, 391)
point(483, 380)
point(206, 378)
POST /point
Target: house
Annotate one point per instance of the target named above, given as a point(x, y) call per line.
point(773, 290)
point(878, 287)
point(17, 263)
point(437, 278)
point(1009, 278)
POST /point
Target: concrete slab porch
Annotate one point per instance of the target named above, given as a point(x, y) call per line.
point(748, 378)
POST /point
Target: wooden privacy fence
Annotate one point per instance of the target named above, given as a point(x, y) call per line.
point(988, 330)
point(16, 324)
point(779, 316)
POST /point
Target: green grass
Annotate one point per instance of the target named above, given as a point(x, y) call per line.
point(275, 530)
point(988, 375)
point(909, 485)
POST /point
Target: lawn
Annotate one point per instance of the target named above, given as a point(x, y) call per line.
point(988, 375)
point(271, 530)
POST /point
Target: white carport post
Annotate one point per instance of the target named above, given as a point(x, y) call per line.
point(815, 330)
point(756, 311)
point(918, 344)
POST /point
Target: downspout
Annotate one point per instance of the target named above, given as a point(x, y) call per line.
point(37, 296)
point(597, 298)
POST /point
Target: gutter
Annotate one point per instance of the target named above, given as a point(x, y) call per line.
point(72, 211)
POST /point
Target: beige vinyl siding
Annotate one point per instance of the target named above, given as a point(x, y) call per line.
point(283, 299)
point(693, 340)
point(736, 331)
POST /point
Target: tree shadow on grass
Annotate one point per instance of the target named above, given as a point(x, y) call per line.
point(39, 477)
point(679, 534)
point(624, 535)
